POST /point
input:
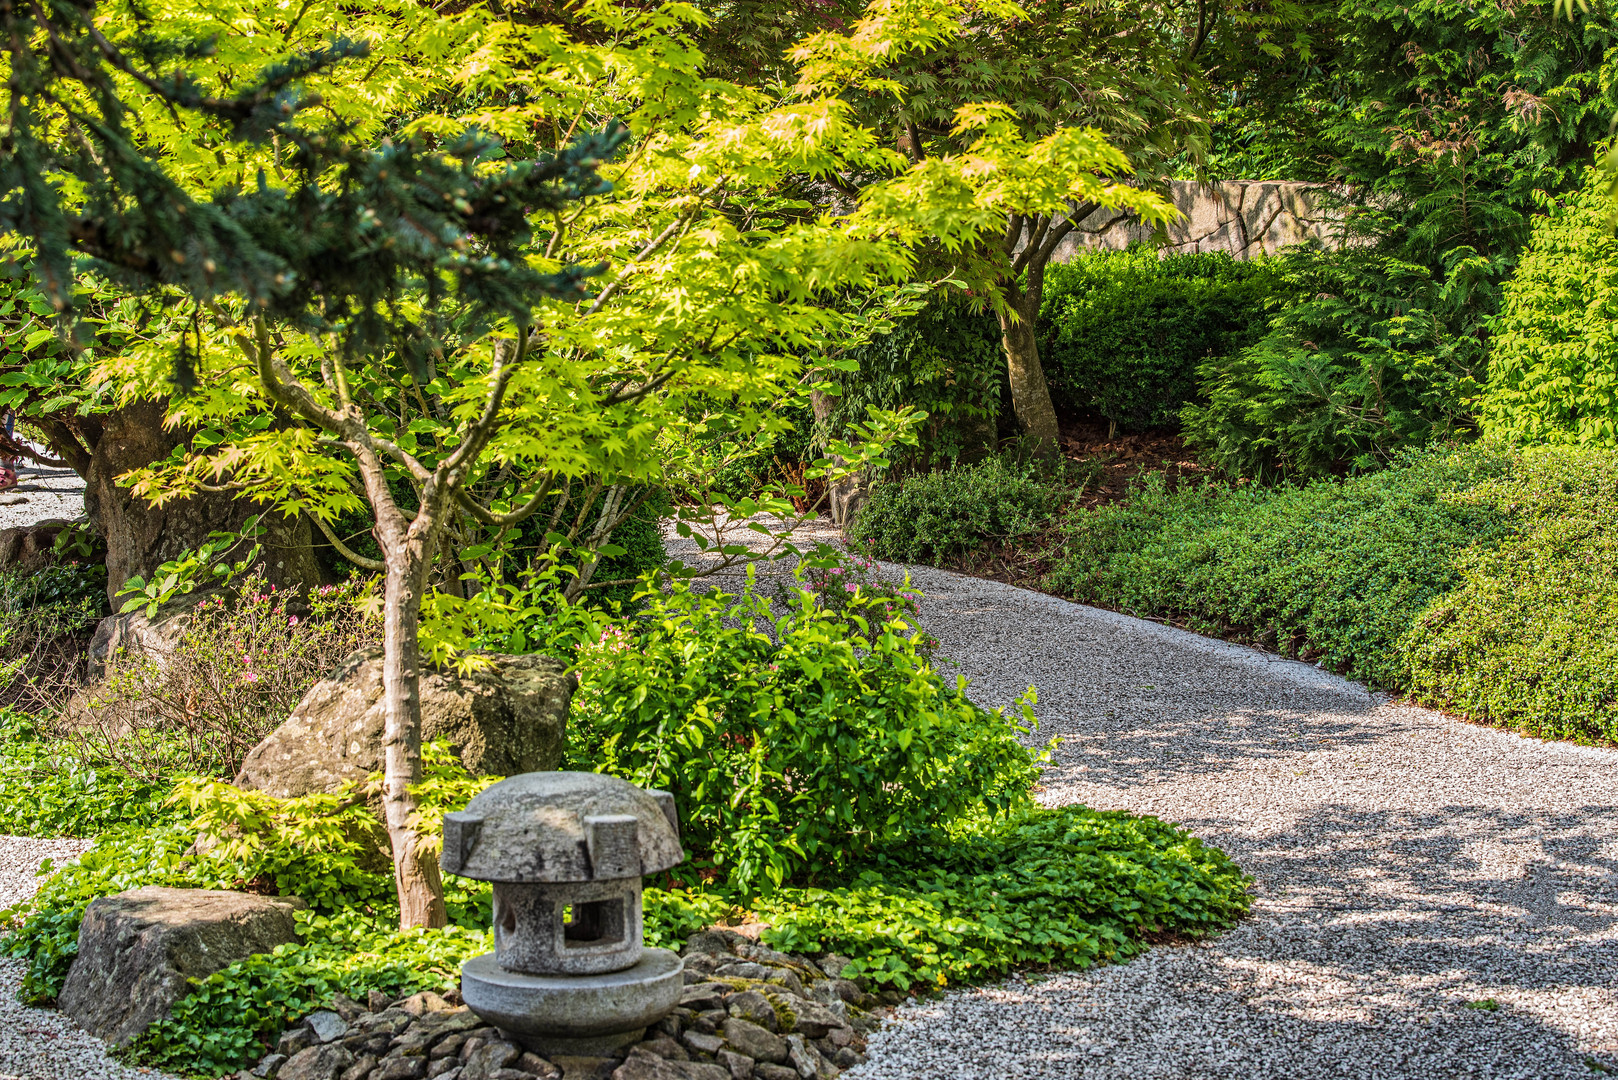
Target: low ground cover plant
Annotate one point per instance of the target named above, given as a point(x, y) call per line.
point(1476, 579)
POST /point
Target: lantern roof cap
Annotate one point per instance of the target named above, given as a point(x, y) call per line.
point(557, 826)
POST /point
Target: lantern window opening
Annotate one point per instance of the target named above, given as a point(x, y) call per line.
point(591, 923)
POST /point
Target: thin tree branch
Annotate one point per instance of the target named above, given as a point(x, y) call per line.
point(374, 565)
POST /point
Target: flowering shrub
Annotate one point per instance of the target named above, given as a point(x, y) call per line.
point(239, 667)
point(795, 743)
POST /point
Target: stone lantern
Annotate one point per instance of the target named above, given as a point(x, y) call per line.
point(565, 852)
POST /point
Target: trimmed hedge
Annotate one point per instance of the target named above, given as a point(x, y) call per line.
point(1123, 332)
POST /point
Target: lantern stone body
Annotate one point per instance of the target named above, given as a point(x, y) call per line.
point(566, 852)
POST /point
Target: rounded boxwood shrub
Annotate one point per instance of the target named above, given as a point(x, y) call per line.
point(1122, 333)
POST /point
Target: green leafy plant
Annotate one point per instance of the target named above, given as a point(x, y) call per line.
point(931, 517)
point(792, 742)
point(233, 1016)
point(1066, 887)
point(204, 565)
point(1124, 332)
point(48, 789)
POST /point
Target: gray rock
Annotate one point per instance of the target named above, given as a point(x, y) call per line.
point(325, 1026)
point(813, 1019)
point(744, 969)
point(740, 1065)
point(711, 941)
point(325, 1062)
point(411, 1067)
point(753, 1006)
point(651, 1067)
point(510, 718)
point(488, 1058)
point(703, 996)
point(754, 1041)
point(361, 1069)
point(441, 1066)
point(534, 1065)
point(703, 1044)
point(764, 1070)
point(805, 1058)
point(584, 1066)
point(664, 1047)
point(833, 964)
point(269, 1064)
point(138, 949)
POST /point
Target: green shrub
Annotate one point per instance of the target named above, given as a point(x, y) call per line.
point(1553, 362)
point(1336, 571)
point(1364, 363)
point(792, 743)
point(1529, 639)
point(931, 517)
point(1122, 333)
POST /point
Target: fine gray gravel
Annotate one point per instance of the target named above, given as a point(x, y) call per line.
point(42, 1044)
point(1407, 864)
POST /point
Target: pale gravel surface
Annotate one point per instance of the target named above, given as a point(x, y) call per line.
point(1406, 864)
point(43, 494)
point(42, 1044)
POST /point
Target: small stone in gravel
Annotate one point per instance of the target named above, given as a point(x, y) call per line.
point(361, 1068)
point(703, 1044)
point(534, 1065)
point(489, 1057)
point(740, 1065)
point(664, 1047)
point(401, 1068)
point(582, 1067)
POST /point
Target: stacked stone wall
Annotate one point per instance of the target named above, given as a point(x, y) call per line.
point(1247, 218)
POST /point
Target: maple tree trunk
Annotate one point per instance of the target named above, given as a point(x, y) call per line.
point(415, 873)
point(1030, 395)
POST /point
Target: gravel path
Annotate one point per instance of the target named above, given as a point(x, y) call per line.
point(1407, 865)
point(42, 1044)
point(41, 494)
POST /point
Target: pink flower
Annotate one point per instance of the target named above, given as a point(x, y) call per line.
point(293, 621)
point(249, 676)
point(852, 588)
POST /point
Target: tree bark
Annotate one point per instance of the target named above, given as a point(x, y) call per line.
point(140, 537)
point(407, 550)
point(1030, 394)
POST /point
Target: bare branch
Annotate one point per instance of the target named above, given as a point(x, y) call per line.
point(345, 551)
point(656, 242)
point(514, 517)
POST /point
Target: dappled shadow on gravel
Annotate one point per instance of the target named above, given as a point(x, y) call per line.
point(1432, 899)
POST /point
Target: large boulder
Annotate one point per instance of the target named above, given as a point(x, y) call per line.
point(507, 717)
point(138, 949)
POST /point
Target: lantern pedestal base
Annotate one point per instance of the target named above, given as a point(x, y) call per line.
point(575, 1013)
